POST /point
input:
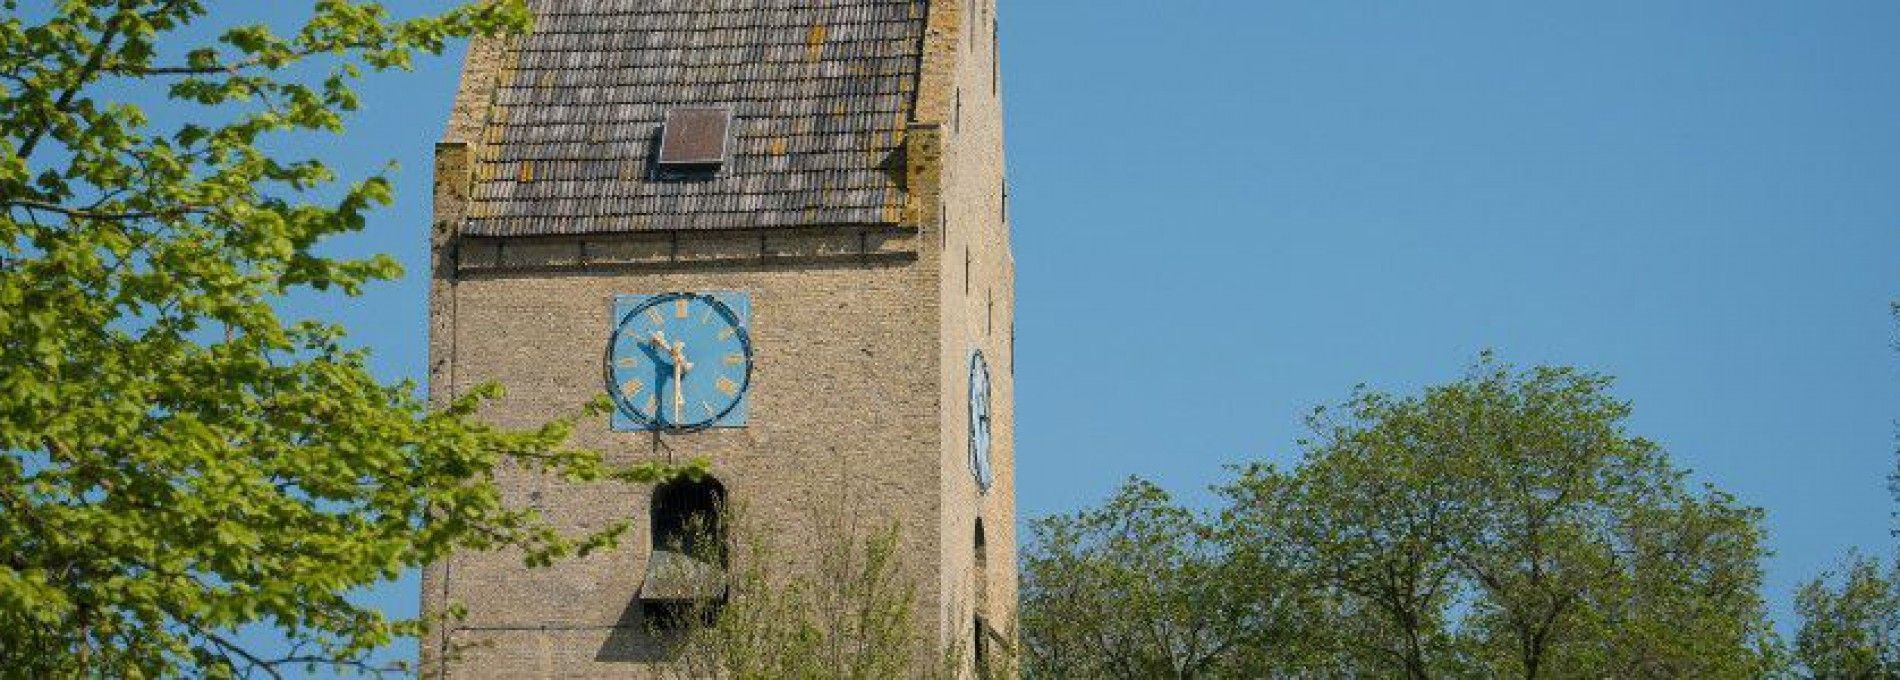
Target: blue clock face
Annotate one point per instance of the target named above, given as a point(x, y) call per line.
point(980, 421)
point(679, 361)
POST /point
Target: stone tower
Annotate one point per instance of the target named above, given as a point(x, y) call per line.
point(776, 234)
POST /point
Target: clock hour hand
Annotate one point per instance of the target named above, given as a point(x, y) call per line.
point(675, 353)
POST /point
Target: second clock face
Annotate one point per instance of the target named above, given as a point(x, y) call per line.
point(980, 421)
point(679, 361)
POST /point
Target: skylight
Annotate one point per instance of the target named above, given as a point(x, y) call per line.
point(695, 136)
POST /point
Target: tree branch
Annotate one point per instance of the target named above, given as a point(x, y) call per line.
point(78, 213)
point(238, 68)
point(85, 74)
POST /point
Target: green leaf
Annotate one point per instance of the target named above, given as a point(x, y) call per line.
point(179, 461)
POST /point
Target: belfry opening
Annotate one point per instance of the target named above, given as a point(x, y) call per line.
point(686, 562)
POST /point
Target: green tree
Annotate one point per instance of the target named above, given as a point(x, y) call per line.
point(176, 459)
point(1368, 529)
point(1143, 588)
point(1502, 525)
point(1507, 525)
point(1850, 622)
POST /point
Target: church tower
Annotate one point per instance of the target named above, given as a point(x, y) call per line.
point(775, 234)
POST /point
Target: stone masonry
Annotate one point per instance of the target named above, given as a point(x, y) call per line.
point(861, 334)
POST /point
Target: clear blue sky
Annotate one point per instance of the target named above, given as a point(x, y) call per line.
point(1701, 198)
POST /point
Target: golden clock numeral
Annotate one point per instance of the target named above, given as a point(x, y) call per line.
point(679, 308)
point(628, 362)
point(710, 411)
point(727, 333)
point(631, 387)
point(706, 318)
point(726, 386)
point(734, 359)
point(653, 404)
point(653, 314)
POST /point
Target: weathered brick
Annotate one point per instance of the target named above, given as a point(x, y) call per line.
point(858, 400)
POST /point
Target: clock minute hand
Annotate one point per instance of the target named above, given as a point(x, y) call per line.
point(676, 352)
point(680, 367)
point(679, 398)
point(679, 355)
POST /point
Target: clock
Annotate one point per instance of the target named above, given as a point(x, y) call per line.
point(679, 362)
point(980, 421)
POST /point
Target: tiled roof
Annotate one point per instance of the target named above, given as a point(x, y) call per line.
point(820, 92)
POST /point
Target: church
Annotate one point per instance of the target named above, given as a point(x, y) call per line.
point(774, 235)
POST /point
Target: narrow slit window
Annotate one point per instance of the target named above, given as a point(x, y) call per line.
point(970, 12)
point(966, 271)
point(695, 136)
point(981, 557)
point(956, 117)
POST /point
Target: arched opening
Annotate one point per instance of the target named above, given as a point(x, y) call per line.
point(979, 631)
point(686, 565)
point(981, 561)
point(686, 517)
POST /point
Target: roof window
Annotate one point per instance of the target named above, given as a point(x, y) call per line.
point(695, 137)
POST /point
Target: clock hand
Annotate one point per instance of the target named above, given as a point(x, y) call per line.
point(679, 397)
point(679, 355)
point(680, 367)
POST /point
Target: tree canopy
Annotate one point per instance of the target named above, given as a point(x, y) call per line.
point(177, 460)
point(1144, 588)
point(1850, 621)
point(1503, 525)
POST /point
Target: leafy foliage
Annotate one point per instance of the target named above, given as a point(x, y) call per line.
point(1506, 525)
point(1850, 622)
point(1143, 588)
point(1501, 525)
point(176, 459)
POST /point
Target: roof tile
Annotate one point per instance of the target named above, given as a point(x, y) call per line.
point(573, 131)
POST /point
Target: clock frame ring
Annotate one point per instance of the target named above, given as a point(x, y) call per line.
point(742, 335)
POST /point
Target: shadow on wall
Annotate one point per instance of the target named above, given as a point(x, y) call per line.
point(635, 640)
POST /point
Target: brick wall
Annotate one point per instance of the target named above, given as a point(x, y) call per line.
point(977, 284)
point(858, 399)
point(843, 414)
